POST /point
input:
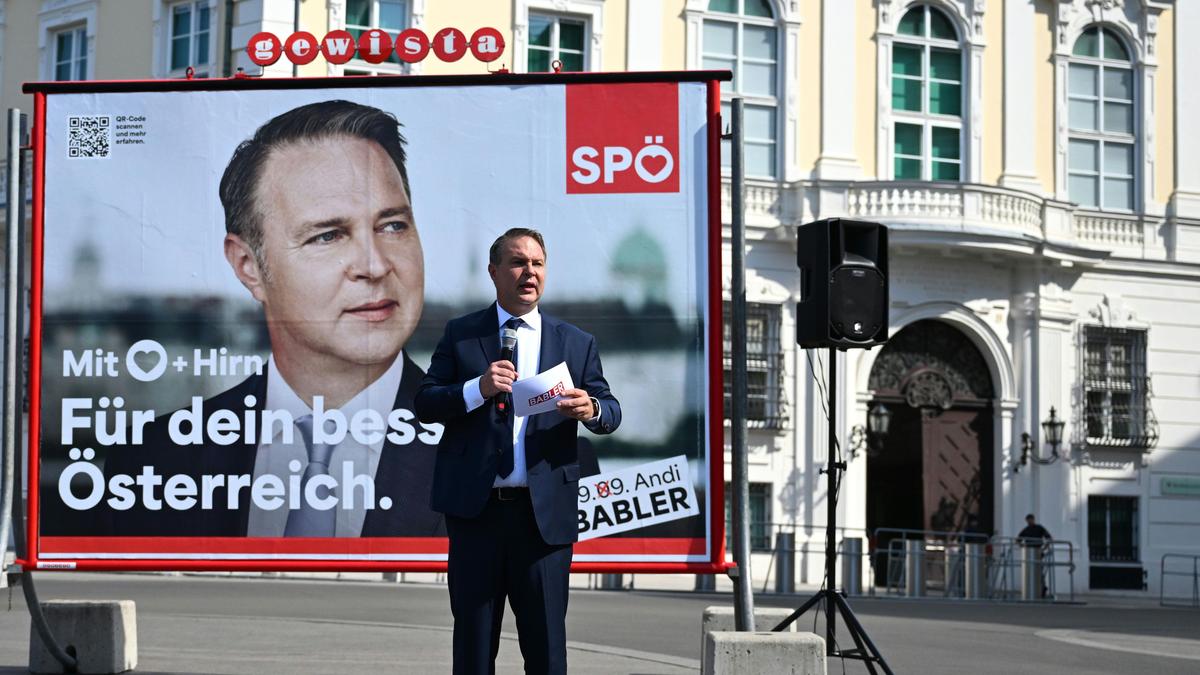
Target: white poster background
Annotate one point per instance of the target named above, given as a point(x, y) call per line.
point(481, 159)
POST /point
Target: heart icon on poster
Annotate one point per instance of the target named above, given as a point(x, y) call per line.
point(145, 351)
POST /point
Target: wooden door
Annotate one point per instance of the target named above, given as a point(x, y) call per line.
point(956, 474)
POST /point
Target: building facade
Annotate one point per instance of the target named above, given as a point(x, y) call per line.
point(1035, 166)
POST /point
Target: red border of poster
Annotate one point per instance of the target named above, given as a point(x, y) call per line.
point(294, 550)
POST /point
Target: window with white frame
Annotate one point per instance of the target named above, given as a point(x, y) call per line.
point(556, 38)
point(191, 32)
point(1117, 388)
point(740, 35)
point(70, 53)
point(1100, 111)
point(927, 97)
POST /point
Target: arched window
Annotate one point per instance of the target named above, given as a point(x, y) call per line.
point(927, 97)
point(1100, 114)
point(740, 35)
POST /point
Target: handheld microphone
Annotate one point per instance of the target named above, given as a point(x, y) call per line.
point(508, 344)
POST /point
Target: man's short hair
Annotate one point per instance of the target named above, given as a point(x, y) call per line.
point(1029, 516)
point(315, 121)
point(514, 233)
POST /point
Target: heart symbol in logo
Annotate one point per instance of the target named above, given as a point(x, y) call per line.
point(146, 352)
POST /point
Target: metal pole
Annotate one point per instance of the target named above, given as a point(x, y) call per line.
point(14, 330)
point(14, 340)
point(852, 565)
point(227, 57)
point(743, 594)
point(914, 568)
point(973, 577)
point(785, 551)
point(831, 475)
point(296, 29)
point(1031, 572)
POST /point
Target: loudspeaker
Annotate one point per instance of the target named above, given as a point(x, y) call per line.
point(843, 284)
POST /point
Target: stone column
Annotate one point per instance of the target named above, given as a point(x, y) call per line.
point(1185, 203)
point(838, 160)
point(1020, 117)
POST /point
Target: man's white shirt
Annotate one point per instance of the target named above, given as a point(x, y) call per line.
point(274, 457)
point(529, 347)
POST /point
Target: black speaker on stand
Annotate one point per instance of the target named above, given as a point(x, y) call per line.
point(843, 284)
point(844, 305)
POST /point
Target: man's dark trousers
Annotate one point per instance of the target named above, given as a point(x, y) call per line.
point(519, 549)
point(502, 551)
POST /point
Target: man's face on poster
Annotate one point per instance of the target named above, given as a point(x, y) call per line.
point(342, 277)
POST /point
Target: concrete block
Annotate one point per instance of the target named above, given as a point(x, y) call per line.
point(720, 618)
point(102, 635)
point(731, 653)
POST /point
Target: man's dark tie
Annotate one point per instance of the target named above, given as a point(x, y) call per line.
point(506, 457)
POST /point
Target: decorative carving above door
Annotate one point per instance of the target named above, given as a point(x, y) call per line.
point(931, 365)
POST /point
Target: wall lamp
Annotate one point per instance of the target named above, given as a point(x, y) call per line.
point(879, 421)
point(1052, 429)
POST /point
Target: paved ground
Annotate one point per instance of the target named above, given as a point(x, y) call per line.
point(230, 625)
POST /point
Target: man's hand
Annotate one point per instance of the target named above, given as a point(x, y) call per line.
point(577, 405)
point(497, 378)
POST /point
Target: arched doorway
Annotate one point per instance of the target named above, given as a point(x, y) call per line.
point(934, 469)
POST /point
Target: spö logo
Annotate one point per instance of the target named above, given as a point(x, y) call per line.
point(622, 139)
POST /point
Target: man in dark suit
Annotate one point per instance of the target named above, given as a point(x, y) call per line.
point(509, 484)
point(320, 231)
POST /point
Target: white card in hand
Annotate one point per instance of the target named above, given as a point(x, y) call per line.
point(541, 392)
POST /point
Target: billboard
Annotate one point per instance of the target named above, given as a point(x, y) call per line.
point(229, 274)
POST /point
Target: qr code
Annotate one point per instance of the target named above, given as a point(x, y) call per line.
point(89, 136)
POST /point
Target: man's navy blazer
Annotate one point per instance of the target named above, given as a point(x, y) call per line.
point(469, 452)
point(402, 475)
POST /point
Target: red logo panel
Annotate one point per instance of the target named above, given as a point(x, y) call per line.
point(622, 138)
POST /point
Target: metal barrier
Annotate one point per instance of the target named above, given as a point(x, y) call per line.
point(936, 556)
point(786, 555)
point(954, 563)
point(1029, 569)
point(970, 565)
point(916, 563)
point(1166, 573)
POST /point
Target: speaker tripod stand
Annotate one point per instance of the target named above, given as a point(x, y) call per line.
point(864, 650)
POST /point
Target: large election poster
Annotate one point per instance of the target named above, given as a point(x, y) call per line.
point(241, 289)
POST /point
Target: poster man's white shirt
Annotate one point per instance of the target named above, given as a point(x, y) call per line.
point(274, 458)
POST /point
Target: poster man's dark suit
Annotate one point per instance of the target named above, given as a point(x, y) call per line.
point(479, 525)
point(404, 474)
